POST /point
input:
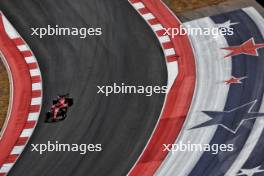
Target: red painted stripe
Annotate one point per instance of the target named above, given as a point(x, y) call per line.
point(32, 66)
point(35, 79)
point(36, 93)
point(30, 124)
point(167, 45)
point(172, 58)
point(21, 141)
point(153, 21)
point(22, 93)
point(160, 32)
point(18, 41)
point(178, 99)
point(11, 159)
point(26, 53)
point(134, 1)
point(34, 108)
point(143, 11)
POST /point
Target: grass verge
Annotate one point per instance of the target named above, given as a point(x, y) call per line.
point(4, 93)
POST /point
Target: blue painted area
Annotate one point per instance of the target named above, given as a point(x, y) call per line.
point(239, 94)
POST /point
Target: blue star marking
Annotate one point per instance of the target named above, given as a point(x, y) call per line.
point(231, 120)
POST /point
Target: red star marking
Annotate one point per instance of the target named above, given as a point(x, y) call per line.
point(234, 80)
point(249, 47)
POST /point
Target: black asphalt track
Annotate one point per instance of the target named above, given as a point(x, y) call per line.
point(126, 52)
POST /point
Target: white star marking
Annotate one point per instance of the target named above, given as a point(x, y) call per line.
point(227, 24)
point(250, 172)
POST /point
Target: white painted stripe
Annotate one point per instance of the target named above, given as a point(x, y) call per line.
point(148, 16)
point(36, 101)
point(164, 39)
point(10, 30)
point(211, 74)
point(173, 70)
point(36, 86)
point(157, 27)
point(169, 52)
point(13, 34)
point(138, 5)
point(27, 132)
point(6, 168)
point(23, 47)
point(30, 59)
point(34, 72)
point(17, 150)
point(33, 116)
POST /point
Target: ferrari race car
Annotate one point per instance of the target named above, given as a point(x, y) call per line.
point(59, 108)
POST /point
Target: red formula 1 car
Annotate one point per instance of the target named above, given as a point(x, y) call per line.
point(59, 108)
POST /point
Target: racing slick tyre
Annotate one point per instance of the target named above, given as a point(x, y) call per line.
point(48, 117)
point(69, 101)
